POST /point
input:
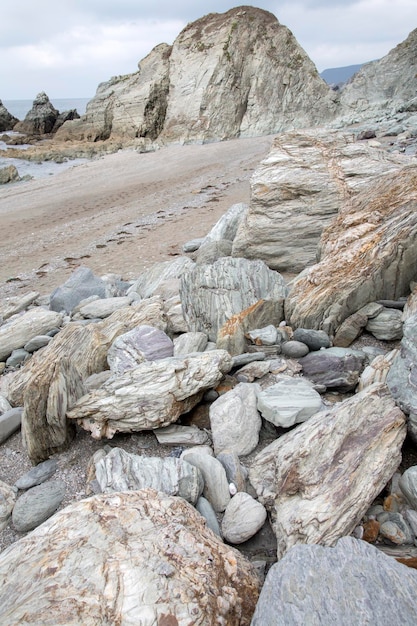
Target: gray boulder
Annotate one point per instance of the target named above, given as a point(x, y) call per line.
point(404, 369)
point(80, 285)
point(242, 519)
point(8, 174)
point(37, 475)
point(387, 325)
point(41, 118)
point(144, 343)
point(352, 583)
point(7, 120)
point(314, 339)
point(289, 401)
point(334, 368)
point(10, 422)
point(37, 504)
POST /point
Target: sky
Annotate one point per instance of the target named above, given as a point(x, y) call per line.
point(66, 49)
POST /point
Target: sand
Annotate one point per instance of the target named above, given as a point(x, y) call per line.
point(119, 213)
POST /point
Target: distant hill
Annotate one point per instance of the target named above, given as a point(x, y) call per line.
point(338, 75)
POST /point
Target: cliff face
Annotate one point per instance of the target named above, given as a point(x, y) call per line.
point(240, 73)
point(385, 86)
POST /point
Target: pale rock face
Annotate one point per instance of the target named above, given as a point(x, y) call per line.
point(132, 558)
point(316, 480)
point(306, 179)
point(21, 329)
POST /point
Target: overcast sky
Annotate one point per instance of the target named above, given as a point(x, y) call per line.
point(67, 48)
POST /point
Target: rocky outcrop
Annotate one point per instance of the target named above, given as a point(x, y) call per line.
point(41, 119)
point(7, 120)
point(383, 87)
point(306, 179)
point(239, 73)
point(131, 558)
point(367, 253)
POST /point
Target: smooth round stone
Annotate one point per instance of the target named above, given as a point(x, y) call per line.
point(396, 530)
point(40, 341)
point(314, 339)
point(408, 485)
point(17, 357)
point(37, 504)
point(294, 349)
point(243, 517)
point(37, 475)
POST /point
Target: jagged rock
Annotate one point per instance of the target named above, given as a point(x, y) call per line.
point(226, 227)
point(162, 278)
point(143, 343)
point(10, 422)
point(212, 294)
point(267, 336)
point(212, 251)
point(375, 90)
point(63, 117)
point(37, 475)
point(179, 435)
point(289, 401)
point(235, 420)
point(190, 342)
point(121, 471)
point(20, 329)
point(7, 120)
point(334, 368)
point(371, 244)
point(353, 582)
point(81, 284)
point(152, 395)
point(316, 479)
point(216, 487)
point(37, 504)
point(249, 372)
point(7, 502)
point(377, 370)
point(16, 304)
point(132, 557)
point(243, 517)
point(387, 325)
point(41, 118)
point(8, 174)
point(306, 179)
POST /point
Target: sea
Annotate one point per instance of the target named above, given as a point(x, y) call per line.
point(19, 108)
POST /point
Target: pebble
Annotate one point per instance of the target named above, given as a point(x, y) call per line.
point(294, 349)
point(37, 475)
point(243, 517)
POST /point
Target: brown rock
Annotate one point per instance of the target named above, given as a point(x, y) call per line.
point(370, 530)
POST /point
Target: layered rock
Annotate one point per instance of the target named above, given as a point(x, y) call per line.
point(239, 73)
point(41, 118)
point(368, 253)
point(133, 558)
point(7, 120)
point(306, 179)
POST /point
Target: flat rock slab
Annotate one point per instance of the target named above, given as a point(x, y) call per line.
point(37, 504)
point(289, 401)
point(126, 558)
point(37, 475)
point(352, 583)
point(19, 330)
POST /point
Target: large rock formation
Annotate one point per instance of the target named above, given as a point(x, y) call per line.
point(226, 75)
point(383, 86)
point(299, 187)
point(40, 119)
point(7, 120)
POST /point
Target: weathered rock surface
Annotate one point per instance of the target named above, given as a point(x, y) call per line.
point(158, 572)
point(289, 401)
point(152, 395)
point(37, 504)
point(235, 420)
point(19, 330)
point(351, 583)
point(316, 479)
point(121, 471)
point(368, 253)
point(306, 179)
point(216, 487)
point(161, 279)
point(190, 342)
point(81, 284)
point(334, 368)
point(377, 370)
point(243, 517)
point(10, 422)
point(7, 120)
point(402, 376)
point(8, 174)
point(143, 343)
point(16, 304)
point(175, 434)
point(387, 325)
point(103, 307)
point(40, 119)
point(212, 294)
point(7, 502)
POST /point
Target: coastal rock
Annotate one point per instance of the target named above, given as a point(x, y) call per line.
point(289, 401)
point(103, 307)
point(37, 504)
point(8, 174)
point(40, 341)
point(81, 284)
point(235, 420)
point(226, 227)
point(7, 502)
point(243, 517)
point(152, 395)
point(175, 434)
point(306, 179)
point(212, 294)
point(212, 251)
point(313, 339)
point(377, 370)
point(403, 372)
point(37, 475)
point(190, 342)
point(352, 579)
point(236, 473)
point(387, 325)
point(216, 487)
point(7, 120)
point(41, 118)
point(408, 485)
point(161, 279)
point(10, 422)
point(372, 244)
point(315, 479)
point(334, 368)
point(121, 471)
point(20, 329)
point(132, 557)
point(205, 509)
point(143, 343)
point(16, 304)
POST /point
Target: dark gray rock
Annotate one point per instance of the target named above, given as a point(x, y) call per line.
point(7, 120)
point(294, 349)
point(314, 339)
point(10, 422)
point(41, 118)
point(352, 583)
point(37, 342)
point(335, 368)
point(205, 509)
point(17, 357)
point(37, 475)
point(212, 250)
point(37, 504)
point(80, 285)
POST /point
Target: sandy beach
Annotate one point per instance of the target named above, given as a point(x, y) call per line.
point(119, 213)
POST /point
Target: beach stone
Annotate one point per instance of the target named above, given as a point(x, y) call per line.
point(334, 368)
point(387, 325)
point(144, 343)
point(408, 485)
point(190, 342)
point(100, 308)
point(7, 501)
point(294, 349)
point(10, 421)
point(205, 509)
point(404, 371)
point(242, 519)
point(236, 473)
point(192, 245)
point(37, 475)
point(227, 226)
point(410, 515)
point(8, 174)
point(174, 316)
point(289, 401)
point(152, 395)
point(162, 278)
point(37, 504)
point(81, 284)
point(371, 530)
point(37, 342)
point(349, 330)
point(301, 477)
point(216, 487)
point(121, 471)
point(4, 405)
point(251, 371)
point(212, 251)
point(15, 333)
point(396, 530)
point(377, 370)
point(353, 583)
point(235, 420)
point(247, 357)
point(138, 557)
point(175, 434)
point(314, 339)
point(267, 336)
point(16, 304)
point(17, 357)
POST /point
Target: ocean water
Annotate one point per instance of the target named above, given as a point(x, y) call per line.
point(19, 108)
